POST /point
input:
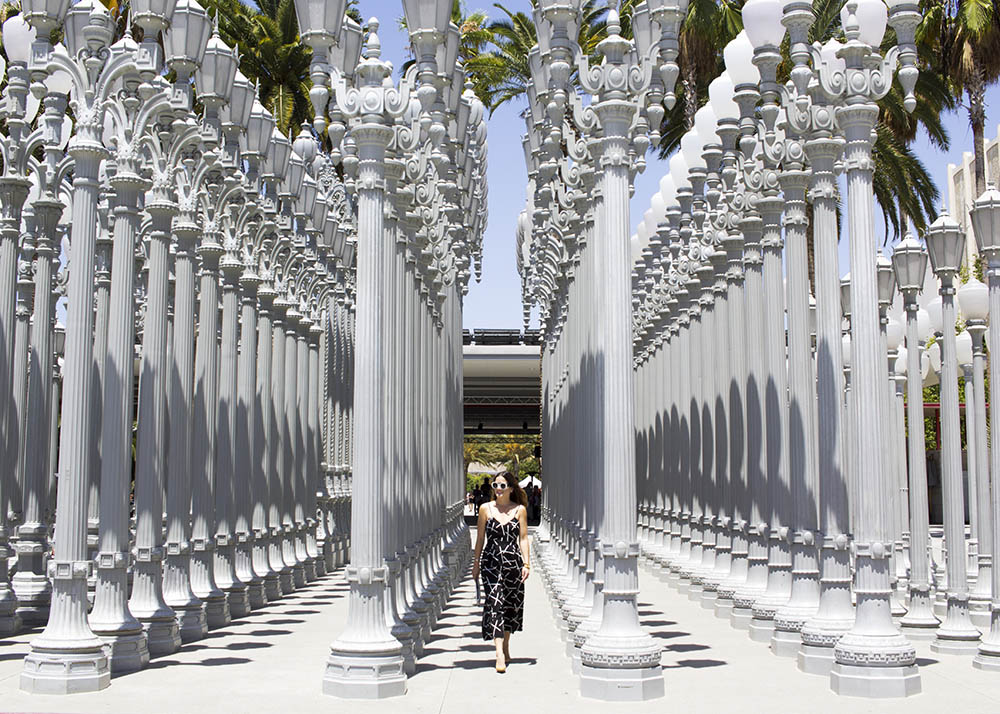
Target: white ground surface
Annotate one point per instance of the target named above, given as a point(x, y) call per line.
point(272, 661)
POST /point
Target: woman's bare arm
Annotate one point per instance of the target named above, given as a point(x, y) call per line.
point(480, 539)
point(522, 518)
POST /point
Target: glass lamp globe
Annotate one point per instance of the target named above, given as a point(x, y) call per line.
point(705, 123)
point(762, 22)
point(642, 235)
point(934, 313)
point(720, 97)
point(974, 300)
point(934, 357)
point(923, 325)
point(679, 171)
point(963, 348)
point(58, 82)
point(828, 53)
point(872, 17)
point(900, 366)
point(17, 38)
point(691, 147)
point(658, 207)
point(668, 190)
point(925, 366)
point(893, 334)
point(738, 56)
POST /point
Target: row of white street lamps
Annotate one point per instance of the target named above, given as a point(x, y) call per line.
point(265, 293)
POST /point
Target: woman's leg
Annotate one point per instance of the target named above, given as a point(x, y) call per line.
point(506, 646)
point(500, 644)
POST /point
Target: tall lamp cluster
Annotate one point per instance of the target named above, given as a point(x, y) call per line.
point(223, 417)
point(781, 487)
point(760, 443)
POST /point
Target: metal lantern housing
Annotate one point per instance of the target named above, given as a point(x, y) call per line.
point(185, 42)
point(260, 127)
point(44, 15)
point(216, 73)
point(909, 263)
point(308, 195)
point(985, 216)
point(886, 279)
point(319, 20)
point(946, 245)
point(344, 56)
point(845, 295)
point(241, 101)
point(282, 154)
point(320, 212)
point(427, 16)
point(296, 172)
point(77, 18)
point(152, 13)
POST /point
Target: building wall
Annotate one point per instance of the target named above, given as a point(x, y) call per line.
point(962, 189)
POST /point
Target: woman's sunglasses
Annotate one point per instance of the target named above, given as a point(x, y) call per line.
point(500, 486)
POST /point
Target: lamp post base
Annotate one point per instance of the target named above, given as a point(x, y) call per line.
point(378, 675)
point(874, 682)
point(128, 651)
point(621, 685)
point(84, 668)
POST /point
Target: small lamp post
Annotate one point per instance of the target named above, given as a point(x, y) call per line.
point(909, 262)
point(986, 227)
point(945, 243)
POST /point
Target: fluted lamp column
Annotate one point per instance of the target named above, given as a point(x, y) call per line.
point(67, 657)
point(366, 661)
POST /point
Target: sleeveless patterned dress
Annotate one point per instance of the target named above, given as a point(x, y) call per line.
point(500, 570)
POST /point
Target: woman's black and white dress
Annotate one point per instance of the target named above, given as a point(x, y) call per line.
point(500, 569)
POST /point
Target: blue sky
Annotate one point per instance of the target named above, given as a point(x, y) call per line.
point(496, 301)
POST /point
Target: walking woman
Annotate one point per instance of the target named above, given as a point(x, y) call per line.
point(506, 563)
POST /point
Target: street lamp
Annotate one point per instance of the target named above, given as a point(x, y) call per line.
point(986, 227)
point(945, 245)
point(909, 263)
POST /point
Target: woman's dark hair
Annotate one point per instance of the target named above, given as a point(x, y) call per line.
point(517, 494)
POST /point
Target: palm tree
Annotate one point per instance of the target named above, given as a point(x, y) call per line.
point(502, 74)
point(271, 54)
point(961, 39)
